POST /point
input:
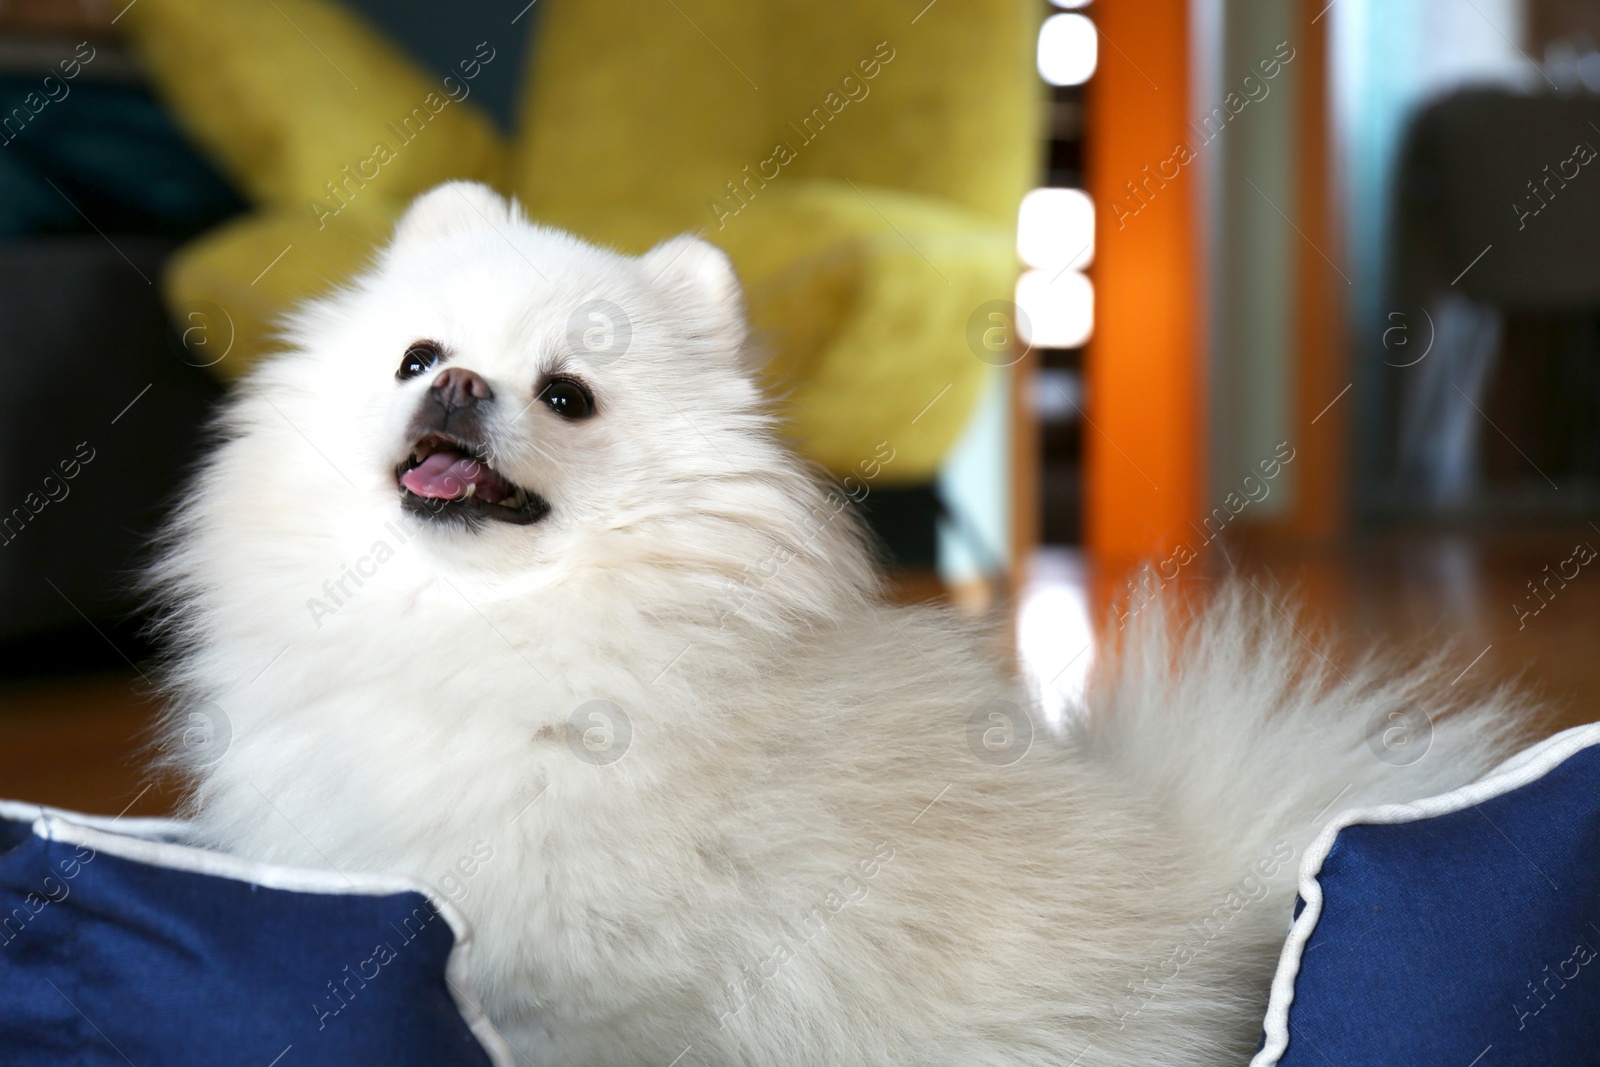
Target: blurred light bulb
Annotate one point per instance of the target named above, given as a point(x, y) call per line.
point(1055, 639)
point(1057, 308)
point(1071, 5)
point(1068, 49)
point(1055, 229)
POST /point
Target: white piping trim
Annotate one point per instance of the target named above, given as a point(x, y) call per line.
point(137, 844)
point(139, 826)
point(1527, 766)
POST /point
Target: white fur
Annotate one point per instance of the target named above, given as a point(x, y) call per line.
point(793, 736)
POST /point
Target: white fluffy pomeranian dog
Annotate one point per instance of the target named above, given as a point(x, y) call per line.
point(501, 578)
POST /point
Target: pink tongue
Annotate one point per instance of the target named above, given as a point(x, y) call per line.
point(444, 476)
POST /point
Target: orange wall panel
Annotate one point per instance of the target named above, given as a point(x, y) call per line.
point(1144, 441)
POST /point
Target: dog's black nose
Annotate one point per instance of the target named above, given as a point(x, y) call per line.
point(459, 387)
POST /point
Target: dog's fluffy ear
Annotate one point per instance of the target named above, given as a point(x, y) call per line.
point(700, 276)
point(698, 269)
point(449, 209)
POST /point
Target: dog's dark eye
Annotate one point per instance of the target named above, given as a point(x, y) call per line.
point(418, 358)
point(568, 398)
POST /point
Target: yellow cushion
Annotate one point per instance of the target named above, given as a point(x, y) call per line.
point(237, 281)
point(662, 105)
point(287, 94)
point(862, 296)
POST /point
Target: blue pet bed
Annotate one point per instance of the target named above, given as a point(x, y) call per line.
point(119, 945)
point(1459, 931)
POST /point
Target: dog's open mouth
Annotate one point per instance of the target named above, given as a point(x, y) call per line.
point(446, 477)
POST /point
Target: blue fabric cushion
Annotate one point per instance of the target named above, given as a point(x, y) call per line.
point(107, 958)
point(1460, 931)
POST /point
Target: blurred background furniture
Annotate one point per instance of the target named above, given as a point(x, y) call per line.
point(1501, 248)
point(92, 366)
point(94, 446)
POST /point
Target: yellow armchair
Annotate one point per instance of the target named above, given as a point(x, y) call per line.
point(860, 161)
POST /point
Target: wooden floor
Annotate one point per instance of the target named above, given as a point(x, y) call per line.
point(1495, 600)
point(77, 742)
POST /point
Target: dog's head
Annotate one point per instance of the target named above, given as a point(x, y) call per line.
point(496, 379)
point(526, 378)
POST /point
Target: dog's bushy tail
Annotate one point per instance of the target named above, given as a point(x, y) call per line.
point(1243, 724)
